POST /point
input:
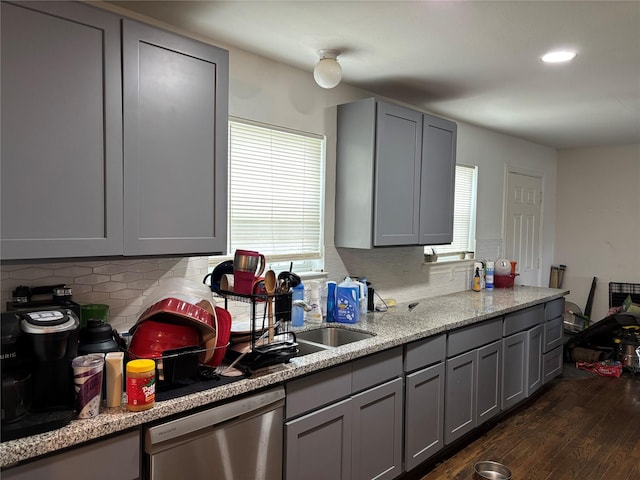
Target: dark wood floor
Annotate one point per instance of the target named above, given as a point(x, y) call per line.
point(581, 427)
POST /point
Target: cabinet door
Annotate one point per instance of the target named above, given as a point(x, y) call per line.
point(397, 175)
point(489, 380)
point(437, 180)
point(318, 445)
point(116, 457)
point(460, 396)
point(377, 432)
point(514, 350)
point(535, 346)
point(61, 169)
point(424, 415)
point(175, 143)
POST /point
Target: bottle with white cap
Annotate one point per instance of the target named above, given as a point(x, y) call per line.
point(489, 276)
point(315, 314)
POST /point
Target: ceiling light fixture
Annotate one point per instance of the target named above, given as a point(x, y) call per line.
point(328, 71)
point(558, 56)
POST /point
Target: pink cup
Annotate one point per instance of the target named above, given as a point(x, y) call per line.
point(247, 265)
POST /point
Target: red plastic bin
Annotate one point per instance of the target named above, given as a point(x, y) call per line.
point(504, 281)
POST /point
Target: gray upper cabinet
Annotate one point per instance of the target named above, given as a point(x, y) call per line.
point(74, 78)
point(61, 141)
point(175, 143)
point(437, 190)
point(394, 167)
point(397, 176)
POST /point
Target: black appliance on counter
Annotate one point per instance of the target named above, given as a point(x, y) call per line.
point(48, 297)
point(37, 379)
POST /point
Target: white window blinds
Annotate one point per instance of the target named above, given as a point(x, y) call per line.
point(464, 216)
point(275, 191)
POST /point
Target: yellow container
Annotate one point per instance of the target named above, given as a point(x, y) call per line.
point(141, 385)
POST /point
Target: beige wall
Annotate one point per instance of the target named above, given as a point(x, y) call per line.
point(598, 220)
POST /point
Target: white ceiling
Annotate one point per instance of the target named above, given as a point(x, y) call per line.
point(474, 61)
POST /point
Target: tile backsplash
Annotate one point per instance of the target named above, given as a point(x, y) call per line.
point(123, 284)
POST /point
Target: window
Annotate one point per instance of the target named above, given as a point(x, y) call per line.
point(464, 214)
point(276, 193)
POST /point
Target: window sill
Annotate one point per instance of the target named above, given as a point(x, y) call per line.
point(451, 261)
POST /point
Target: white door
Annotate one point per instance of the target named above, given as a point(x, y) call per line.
point(522, 221)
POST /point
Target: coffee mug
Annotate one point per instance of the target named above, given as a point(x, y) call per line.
point(247, 265)
point(249, 261)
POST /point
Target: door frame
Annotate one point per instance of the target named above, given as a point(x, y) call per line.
point(518, 169)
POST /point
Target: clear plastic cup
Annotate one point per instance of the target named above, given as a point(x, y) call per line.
point(87, 380)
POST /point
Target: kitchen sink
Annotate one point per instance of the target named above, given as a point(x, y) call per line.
point(326, 338)
point(333, 336)
point(307, 348)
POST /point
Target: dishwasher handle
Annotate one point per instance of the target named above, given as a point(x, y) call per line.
point(213, 416)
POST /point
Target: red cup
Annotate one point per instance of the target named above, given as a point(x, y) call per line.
point(247, 265)
point(243, 282)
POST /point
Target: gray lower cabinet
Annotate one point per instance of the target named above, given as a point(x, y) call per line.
point(535, 345)
point(116, 457)
point(424, 399)
point(552, 357)
point(424, 414)
point(460, 405)
point(523, 344)
point(398, 166)
point(552, 363)
point(377, 432)
point(514, 388)
point(488, 389)
point(473, 378)
point(318, 445)
point(473, 390)
point(114, 136)
point(346, 422)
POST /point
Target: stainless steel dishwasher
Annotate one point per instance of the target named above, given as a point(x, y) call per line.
point(236, 440)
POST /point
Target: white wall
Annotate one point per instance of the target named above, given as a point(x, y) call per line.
point(598, 220)
point(267, 91)
point(493, 153)
point(274, 93)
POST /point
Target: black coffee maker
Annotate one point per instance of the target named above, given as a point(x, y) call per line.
point(47, 297)
point(37, 378)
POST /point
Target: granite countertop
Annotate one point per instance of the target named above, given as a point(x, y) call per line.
point(397, 326)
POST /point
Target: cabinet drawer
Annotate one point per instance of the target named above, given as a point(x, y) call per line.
point(553, 333)
point(465, 339)
point(423, 353)
point(376, 369)
point(554, 309)
point(552, 364)
point(523, 319)
point(318, 389)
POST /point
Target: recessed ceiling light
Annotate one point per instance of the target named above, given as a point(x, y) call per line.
point(558, 56)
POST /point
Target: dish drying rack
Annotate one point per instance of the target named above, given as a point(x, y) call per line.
point(263, 352)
